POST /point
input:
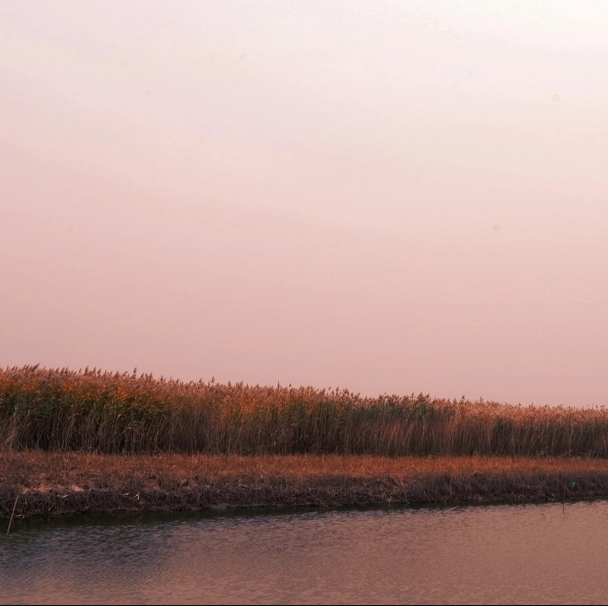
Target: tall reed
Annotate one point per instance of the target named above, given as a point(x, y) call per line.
point(63, 410)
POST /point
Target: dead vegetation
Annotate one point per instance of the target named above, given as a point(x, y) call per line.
point(90, 441)
point(59, 483)
point(94, 411)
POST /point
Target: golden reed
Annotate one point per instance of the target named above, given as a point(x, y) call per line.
point(91, 410)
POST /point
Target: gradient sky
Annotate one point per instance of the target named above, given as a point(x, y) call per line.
point(381, 196)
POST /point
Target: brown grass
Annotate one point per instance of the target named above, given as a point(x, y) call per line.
point(62, 410)
point(57, 483)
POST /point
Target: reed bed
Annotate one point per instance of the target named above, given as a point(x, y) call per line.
point(90, 410)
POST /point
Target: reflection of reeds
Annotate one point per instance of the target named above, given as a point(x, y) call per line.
point(91, 410)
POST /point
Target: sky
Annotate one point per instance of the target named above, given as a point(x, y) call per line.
point(388, 197)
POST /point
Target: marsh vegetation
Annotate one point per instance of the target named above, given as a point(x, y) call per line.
point(95, 411)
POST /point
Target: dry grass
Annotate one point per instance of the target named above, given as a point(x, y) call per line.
point(62, 410)
point(56, 483)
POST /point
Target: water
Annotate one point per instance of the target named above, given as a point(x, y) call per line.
point(546, 554)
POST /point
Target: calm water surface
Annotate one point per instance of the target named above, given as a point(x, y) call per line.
point(502, 554)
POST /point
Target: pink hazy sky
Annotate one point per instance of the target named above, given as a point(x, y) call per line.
point(381, 196)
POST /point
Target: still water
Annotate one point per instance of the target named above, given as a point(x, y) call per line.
point(546, 554)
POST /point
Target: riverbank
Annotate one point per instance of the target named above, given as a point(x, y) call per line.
point(43, 483)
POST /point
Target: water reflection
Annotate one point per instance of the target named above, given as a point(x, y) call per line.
point(506, 554)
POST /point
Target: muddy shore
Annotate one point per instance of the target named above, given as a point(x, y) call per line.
point(43, 483)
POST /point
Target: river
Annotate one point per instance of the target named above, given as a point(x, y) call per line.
point(535, 554)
